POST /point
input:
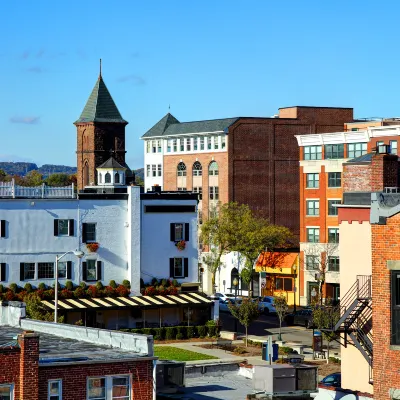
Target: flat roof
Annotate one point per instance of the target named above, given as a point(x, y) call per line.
point(57, 350)
point(341, 108)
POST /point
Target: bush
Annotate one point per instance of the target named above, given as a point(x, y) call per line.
point(66, 294)
point(139, 331)
point(150, 291)
point(172, 290)
point(179, 336)
point(161, 289)
point(159, 333)
point(42, 286)
point(154, 282)
point(211, 322)
point(108, 291)
point(92, 291)
point(148, 331)
point(170, 333)
point(69, 285)
point(79, 292)
point(48, 294)
point(112, 284)
point(252, 342)
point(28, 288)
point(190, 332)
point(175, 283)
point(126, 283)
point(13, 287)
point(182, 331)
point(212, 331)
point(122, 291)
point(1, 288)
point(335, 360)
point(58, 286)
point(83, 285)
point(164, 282)
point(99, 286)
point(285, 350)
point(239, 350)
point(201, 331)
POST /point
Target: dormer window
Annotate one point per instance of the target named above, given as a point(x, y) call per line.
point(116, 177)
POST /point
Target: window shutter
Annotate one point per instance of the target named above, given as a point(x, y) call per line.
point(56, 227)
point(187, 232)
point(99, 278)
point(84, 272)
point(185, 267)
point(71, 229)
point(171, 267)
point(83, 233)
point(3, 228)
point(172, 233)
point(69, 269)
point(2, 272)
point(21, 272)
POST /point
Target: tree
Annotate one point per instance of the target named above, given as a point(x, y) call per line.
point(3, 176)
point(246, 312)
point(317, 259)
point(58, 179)
point(325, 318)
point(33, 178)
point(281, 308)
point(36, 310)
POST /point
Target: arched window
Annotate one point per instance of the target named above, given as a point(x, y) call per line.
point(86, 174)
point(213, 168)
point(197, 169)
point(234, 274)
point(100, 178)
point(107, 178)
point(181, 169)
point(116, 177)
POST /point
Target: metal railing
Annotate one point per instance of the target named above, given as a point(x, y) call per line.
point(11, 190)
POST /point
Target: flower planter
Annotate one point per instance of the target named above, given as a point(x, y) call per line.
point(181, 245)
point(92, 247)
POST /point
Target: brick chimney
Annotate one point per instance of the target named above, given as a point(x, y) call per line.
point(29, 365)
point(384, 171)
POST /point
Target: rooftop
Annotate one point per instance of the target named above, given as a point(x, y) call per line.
point(55, 349)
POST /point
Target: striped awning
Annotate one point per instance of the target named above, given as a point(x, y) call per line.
point(179, 300)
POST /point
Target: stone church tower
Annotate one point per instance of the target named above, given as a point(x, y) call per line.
point(100, 135)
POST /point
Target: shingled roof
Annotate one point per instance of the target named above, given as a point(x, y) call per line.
point(100, 106)
point(111, 163)
point(170, 126)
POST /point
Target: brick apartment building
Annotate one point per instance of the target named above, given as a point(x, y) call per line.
point(323, 161)
point(70, 362)
point(249, 160)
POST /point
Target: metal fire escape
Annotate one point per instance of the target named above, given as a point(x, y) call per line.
point(355, 310)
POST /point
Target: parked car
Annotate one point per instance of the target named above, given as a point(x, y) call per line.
point(223, 304)
point(301, 317)
point(222, 296)
point(267, 305)
point(334, 380)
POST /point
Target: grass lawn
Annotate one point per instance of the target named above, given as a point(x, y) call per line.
point(173, 353)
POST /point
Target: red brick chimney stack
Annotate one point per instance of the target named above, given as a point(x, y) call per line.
point(384, 171)
point(29, 365)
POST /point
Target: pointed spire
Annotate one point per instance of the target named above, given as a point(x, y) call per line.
point(100, 70)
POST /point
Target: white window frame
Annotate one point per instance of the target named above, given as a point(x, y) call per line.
point(315, 262)
point(154, 146)
point(209, 144)
point(169, 145)
point(148, 146)
point(148, 170)
point(58, 227)
point(109, 385)
point(91, 279)
point(195, 143)
point(38, 269)
point(11, 386)
point(159, 146)
point(223, 142)
point(213, 193)
point(202, 143)
point(216, 144)
point(59, 381)
point(199, 191)
point(174, 145)
point(188, 144)
point(62, 265)
point(181, 144)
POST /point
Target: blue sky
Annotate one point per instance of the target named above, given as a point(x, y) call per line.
point(206, 59)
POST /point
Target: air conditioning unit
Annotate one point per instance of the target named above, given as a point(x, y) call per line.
point(170, 376)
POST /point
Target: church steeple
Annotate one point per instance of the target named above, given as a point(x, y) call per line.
point(100, 132)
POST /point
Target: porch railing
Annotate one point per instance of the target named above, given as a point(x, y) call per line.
point(11, 190)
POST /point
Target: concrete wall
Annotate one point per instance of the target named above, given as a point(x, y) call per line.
point(355, 235)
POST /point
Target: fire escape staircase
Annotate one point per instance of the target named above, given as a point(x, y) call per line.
point(355, 320)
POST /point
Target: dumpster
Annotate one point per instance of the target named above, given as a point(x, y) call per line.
point(266, 351)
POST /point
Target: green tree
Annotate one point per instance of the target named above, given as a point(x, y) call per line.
point(139, 181)
point(33, 178)
point(58, 179)
point(246, 312)
point(281, 308)
point(3, 176)
point(36, 310)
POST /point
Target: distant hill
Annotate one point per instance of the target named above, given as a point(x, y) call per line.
point(22, 168)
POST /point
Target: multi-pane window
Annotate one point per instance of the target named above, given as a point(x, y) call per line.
point(223, 142)
point(334, 151)
point(62, 269)
point(334, 179)
point(333, 235)
point(333, 263)
point(393, 146)
point(182, 144)
point(148, 146)
point(159, 170)
point(54, 390)
point(154, 146)
point(213, 168)
point(181, 169)
point(29, 271)
point(63, 225)
point(178, 267)
point(154, 170)
point(88, 232)
point(179, 232)
point(198, 190)
point(356, 149)
point(121, 388)
point(91, 271)
point(197, 169)
point(45, 270)
point(195, 143)
point(312, 181)
point(312, 262)
point(395, 296)
point(188, 144)
point(312, 152)
point(215, 139)
point(313, 235)
point(332, 210)
point(181, 189)
point(97, 389)
point(312, 207)
point(175, 145)
point(202, 143)
point(285, 284)
point(209, 143)
point(148, 169)
point(214, 192)
point(7, 391)
point(158, 146)
point(169, 146)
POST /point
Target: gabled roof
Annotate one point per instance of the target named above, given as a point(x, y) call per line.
point(100, 106)
point(111, 163)
point(170, 126)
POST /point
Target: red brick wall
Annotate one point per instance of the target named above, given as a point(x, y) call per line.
point(10, 368)
point(384, 172)
point(74, 378)
point(356, 177)
point(385, 246)
point(29, 364)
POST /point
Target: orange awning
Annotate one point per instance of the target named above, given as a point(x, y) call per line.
point(275, 260)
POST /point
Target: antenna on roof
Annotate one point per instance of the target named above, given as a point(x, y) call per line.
point(169, 107)
point(100, 69)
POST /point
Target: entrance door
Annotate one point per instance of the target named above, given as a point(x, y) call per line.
point(312, 293)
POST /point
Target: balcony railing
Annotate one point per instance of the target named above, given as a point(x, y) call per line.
point(11, 190)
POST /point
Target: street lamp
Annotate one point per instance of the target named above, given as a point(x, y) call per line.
point(295, 289)
point(78, 254)
point(235, 283)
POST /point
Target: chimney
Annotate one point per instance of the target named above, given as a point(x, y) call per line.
point(29, 365)
point(384, 169)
